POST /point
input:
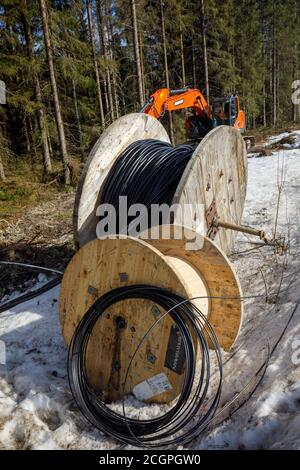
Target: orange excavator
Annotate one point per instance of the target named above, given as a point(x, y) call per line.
point(223, 111)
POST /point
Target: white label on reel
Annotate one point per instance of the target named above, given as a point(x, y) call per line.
point(153, 386)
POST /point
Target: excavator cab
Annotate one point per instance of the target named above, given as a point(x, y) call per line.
point(226, 111)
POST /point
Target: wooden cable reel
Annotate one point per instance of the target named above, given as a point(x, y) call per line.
point(102, 265)
point(215, 177)
point(216, 174)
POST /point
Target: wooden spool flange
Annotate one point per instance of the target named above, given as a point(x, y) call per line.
point(215, 176)
point(114, 140)
point(216, 173)
point(102, 265)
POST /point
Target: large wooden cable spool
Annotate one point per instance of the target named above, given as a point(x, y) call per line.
point(102, 265)
point(212, 185)
point(214, 180)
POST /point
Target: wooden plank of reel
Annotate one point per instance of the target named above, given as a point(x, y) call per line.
point(102, 265)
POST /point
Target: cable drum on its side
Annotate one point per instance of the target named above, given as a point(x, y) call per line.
point(196, 403)
point(203, 274)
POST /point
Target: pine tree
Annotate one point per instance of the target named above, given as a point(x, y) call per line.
point(58, 115)
point(204, 48)
point(38, 94)
point(137, 53)
point(96, 65)
point(84, 63)
point(248, 57)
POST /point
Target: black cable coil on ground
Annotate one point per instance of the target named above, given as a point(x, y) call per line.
point(147, 172)
point(197, 401)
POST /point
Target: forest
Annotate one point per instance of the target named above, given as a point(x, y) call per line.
point(71, 67)
point(149, 291)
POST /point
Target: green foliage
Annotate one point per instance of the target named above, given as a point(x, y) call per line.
point(13, 194)
point(243, 37)
point(249, 58)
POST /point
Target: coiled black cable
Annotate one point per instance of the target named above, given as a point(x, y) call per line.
point(193, 408)
point(147, 172)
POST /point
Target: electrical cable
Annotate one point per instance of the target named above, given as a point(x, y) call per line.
point(259, 374)
point(147, 172)
point(35, 293)
point(29, 295)
point(257, 378)
point(196, 403)
point(32, 267)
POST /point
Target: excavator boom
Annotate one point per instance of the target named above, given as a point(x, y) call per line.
point(171, 100)
point(224, 111)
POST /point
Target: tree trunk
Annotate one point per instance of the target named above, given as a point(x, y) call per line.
point(137, 53)
point(277, 87)
point(107, 49)
point(49, 143)
point(294, 106)
point(104, 79)
point(274, 86)
point(204, 45)
point(2, 174)
point(97, 74)
point(270, 94)
point(102, 41)
point(77, 116)
point(28, 145)
point(113, 74)
point(115, 95)
point(163, 32)
point(142, 65)
point(183, 79)
point(274, 69)
point(38, 94)
point(30, 128)
point(194, 66)
point(264, 107)
point(116, 100)
point(2, 141)
point(58, 115)
point(42, 125)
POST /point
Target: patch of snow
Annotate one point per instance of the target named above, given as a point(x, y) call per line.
point(253, 154)
point(37, 410)
point(288, 140)
point(270, 419)
point(276, 138)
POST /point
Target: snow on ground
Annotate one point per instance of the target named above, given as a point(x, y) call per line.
point(271, 418)
point(289, 140)
point(36, 407)
point(276, 138)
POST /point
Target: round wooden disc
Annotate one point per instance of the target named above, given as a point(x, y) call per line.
point(216, 172)
point(179, 260)
point(112, 142)
point(105, 264)
point(225, 309)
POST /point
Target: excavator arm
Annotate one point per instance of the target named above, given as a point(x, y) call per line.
point(171, 100)
point(224, 111)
